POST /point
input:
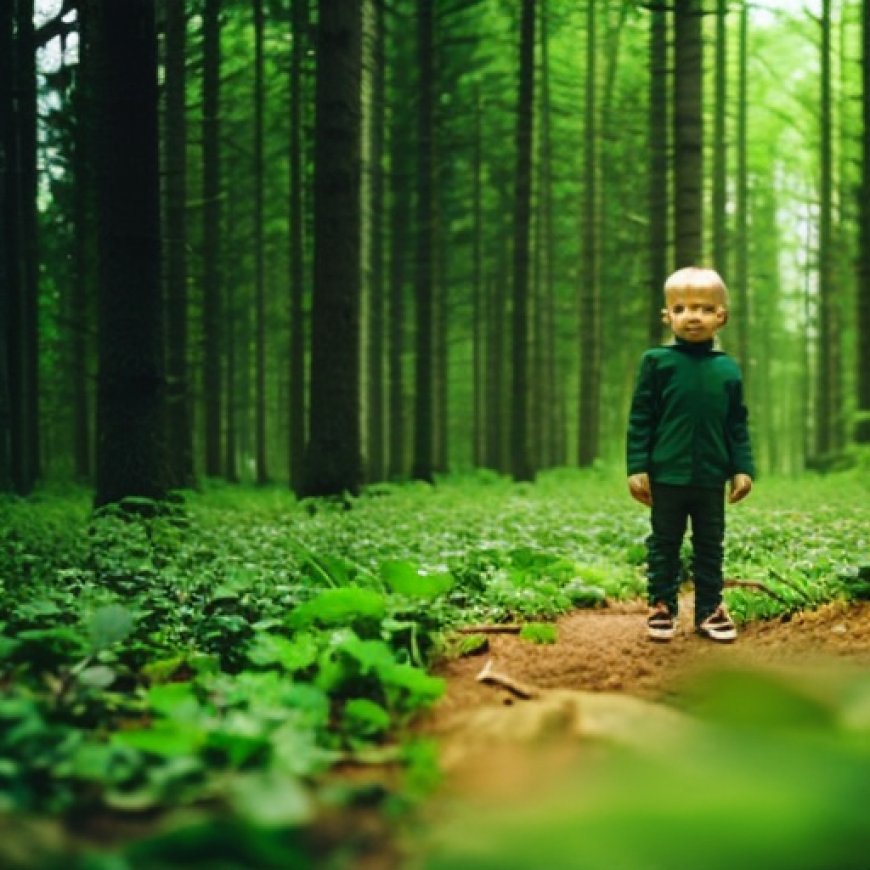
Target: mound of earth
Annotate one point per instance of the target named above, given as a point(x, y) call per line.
point(604, 678)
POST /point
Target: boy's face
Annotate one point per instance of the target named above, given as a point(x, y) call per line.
point(694, 314)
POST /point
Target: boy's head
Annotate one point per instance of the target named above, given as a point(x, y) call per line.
point(696, 303)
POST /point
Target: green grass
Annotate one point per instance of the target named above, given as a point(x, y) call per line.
point(227, 654)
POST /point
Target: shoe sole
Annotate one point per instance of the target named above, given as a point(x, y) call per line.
point(718, 637)
point(661, 635)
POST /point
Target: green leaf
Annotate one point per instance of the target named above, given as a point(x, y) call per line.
point(97, 676)
point(406, 579)
point(167, 739)
point(109, 625)
point(161, 670)
point(7, 646)
point(293, 655)
point(271, 799)
point(340, 607)
point(410, 687)
point(174, 700)
point(365, 717)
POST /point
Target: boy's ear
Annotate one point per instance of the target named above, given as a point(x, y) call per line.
point(665, 318)
point(723, 316)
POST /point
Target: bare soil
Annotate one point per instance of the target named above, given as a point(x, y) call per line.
point(607, 650)
point(604, 678)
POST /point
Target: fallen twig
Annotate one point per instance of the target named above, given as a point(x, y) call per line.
point(503, 628)
point(521, 690)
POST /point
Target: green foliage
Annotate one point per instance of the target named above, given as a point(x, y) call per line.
point(539, 632)
point(227, 656)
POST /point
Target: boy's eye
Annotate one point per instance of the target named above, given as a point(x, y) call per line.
point(678, 309)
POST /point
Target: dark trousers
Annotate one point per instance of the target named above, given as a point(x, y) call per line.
point(672, 507)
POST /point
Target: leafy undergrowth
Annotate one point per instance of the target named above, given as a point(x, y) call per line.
point(197, 674)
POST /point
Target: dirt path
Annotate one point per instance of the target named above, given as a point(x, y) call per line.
point(607, 651)
point(516, 770)
point(604, 678)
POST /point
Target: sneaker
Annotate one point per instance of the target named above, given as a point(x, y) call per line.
point(718, 626)
point(660, 623)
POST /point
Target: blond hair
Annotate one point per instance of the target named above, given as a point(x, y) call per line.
point(698, 278)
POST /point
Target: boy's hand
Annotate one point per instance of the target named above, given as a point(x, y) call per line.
point(740, 486)
point(638, 486)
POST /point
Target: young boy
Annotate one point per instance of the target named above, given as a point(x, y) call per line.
point(687, 437)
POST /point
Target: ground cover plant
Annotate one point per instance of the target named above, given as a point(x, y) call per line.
point(195, 677)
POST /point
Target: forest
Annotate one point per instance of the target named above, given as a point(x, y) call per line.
point(319, 326)
point(440, 247)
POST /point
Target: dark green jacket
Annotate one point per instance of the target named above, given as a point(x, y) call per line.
point(688, 423)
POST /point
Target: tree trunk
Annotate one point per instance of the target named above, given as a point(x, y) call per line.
point(590, 326)
point(18, 302)
point(549, 396)
point(740, 284)
point(478, 301)
point(440, 341)
point(212, 252)
point(688, 132)
point(720, 143)
point(400, 146)
point(333, 459)
point(262, 472)
point(826, 408)
point(658, 169)
point(521, 465)
point(862, 427)
point(131, 458)
point(424, 404)
point(175, 247)
point(85, 257)
point(8, 242)
point(376, 403)
point(297, 244)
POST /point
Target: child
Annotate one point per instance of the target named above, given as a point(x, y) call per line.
point(687, 436)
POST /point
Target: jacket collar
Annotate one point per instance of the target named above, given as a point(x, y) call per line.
point(695, 348)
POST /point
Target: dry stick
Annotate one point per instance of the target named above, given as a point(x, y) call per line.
point(760, 587)
point(521, 690)
point(503, 628)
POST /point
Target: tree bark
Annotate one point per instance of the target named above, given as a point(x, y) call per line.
point(659, 141)
point(212, 250)
point(8, 242)
point(720, 142)
point(826, 393)
point(862, 427)
point(19, 427)
point(740, 285)
point(297, 243)
point(590, 326)
point(131, 457)
point(423, 462)
point(688, 132)
point(85, 258)
point(333, 458)
point(261, 468)
point(377, 302)
point(175, 247)
point(521, 465)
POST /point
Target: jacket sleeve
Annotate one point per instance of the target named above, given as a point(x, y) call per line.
point(738, 433)
point(641, 419)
